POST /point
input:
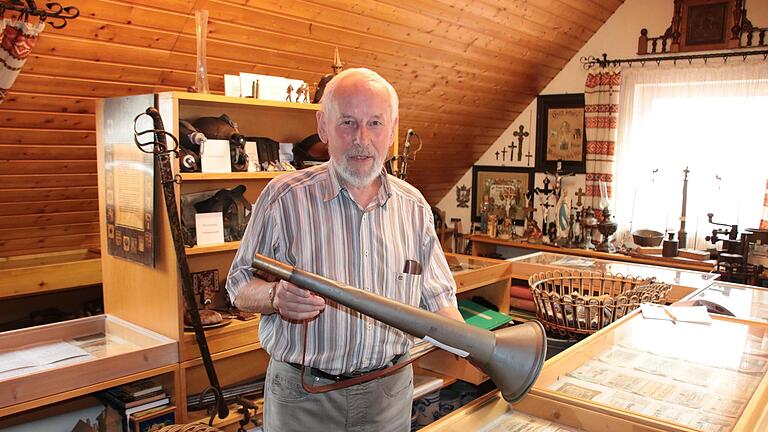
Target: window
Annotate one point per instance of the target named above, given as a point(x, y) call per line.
point(711, 119)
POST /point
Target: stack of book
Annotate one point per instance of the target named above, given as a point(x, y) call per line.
point(520, 298)
point(134, 399)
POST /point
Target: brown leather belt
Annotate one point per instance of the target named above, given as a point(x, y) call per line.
point(319, 373)
point(349, 380)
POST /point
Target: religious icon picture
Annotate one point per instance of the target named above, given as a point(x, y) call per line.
point(500, 191)
point(560, 133)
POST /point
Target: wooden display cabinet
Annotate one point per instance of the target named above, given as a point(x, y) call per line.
point(119, 352)
point(684, 282)
point(666, 376)
point(745, 302)
point(152, 297)
point(491, 413)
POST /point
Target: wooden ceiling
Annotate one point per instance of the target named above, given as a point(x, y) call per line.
point(464, 69)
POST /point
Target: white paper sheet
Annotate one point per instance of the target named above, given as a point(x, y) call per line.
point(209, 228)
point(214, 157)
point(39, 355)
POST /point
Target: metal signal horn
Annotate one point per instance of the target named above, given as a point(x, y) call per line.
point(512, 357)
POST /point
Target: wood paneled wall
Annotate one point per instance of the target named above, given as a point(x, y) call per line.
point(464, 70)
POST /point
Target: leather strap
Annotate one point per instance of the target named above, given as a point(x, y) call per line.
point(347, 382)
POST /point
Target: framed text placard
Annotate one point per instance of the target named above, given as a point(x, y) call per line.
point(128, 180)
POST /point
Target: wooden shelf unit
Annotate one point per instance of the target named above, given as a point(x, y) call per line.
point(152, 297)
point(484, 245)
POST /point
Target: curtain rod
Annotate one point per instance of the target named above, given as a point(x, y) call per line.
point(591, 61)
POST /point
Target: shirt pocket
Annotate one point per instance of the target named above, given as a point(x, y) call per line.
point(407, 288)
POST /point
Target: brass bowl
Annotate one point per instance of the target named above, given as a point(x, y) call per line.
point(647, 238)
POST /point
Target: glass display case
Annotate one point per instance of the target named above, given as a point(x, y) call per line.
point(681, 376)
point(43, 364)
point(745, 302)
point(684, 282)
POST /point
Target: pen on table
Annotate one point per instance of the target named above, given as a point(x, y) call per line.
point(669, 314)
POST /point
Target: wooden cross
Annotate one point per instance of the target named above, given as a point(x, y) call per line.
point(580, 194)
point(520, 136)
point(497, 155)
point(511, 151)
point(503, 153)
point(528, 156)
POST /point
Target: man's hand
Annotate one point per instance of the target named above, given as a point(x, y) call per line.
point(295, 303)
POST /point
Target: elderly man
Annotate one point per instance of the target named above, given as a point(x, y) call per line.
point(349, 221)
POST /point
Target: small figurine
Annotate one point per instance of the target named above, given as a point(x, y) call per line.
point(506, 231)
point(289, 92)
point(336, 67)
point(492, 221)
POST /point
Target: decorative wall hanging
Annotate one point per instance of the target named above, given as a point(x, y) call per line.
point(505, 187)
point(702, 25)
point(462, 196)
point(560, 133)
point(19, 36)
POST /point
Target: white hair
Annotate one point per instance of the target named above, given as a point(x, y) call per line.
point(368, 76)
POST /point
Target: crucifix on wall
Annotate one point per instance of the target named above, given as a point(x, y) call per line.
point(520, 136)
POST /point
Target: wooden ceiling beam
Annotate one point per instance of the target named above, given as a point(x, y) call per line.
point(45, 194)
point(50, 231)
point(48, 103)
point(43, 152)
point(36, 119)
point(46, 181)
point(45, 207)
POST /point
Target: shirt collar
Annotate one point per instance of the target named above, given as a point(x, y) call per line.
point(334, 187)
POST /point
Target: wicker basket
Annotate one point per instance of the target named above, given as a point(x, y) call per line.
point(577, 304)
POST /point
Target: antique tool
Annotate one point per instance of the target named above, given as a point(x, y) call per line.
point(512, 357)
point(520, 136)
point(682, 236)
point(733, 261)
point(159, 147)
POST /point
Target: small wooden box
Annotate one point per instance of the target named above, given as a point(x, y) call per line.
point(117, 349)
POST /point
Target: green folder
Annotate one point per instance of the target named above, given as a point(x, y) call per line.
point(480, 316)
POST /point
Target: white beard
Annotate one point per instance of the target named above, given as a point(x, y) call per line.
point(355, 177)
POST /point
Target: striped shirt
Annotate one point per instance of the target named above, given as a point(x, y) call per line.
point(306, 219)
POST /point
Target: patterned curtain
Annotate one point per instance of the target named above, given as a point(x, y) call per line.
point(601, 98)
point(18, 39)
point(764, 219)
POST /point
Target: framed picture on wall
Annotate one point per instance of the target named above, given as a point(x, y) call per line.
point(504, 188)
point(560, 134)
point(706, 24)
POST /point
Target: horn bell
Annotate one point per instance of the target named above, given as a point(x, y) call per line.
point(517, 359)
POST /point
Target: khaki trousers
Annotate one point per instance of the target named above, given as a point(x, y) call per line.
point(381, 405)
